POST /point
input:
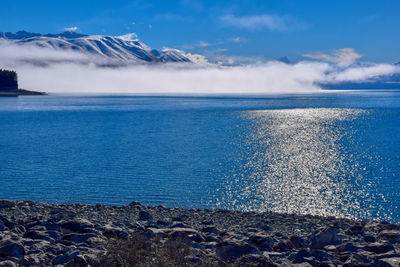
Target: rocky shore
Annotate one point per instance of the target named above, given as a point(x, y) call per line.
point(41, 234)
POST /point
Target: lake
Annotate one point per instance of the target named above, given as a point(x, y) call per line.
point(329, 153)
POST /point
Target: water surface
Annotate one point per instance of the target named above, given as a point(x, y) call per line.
point(322, 154)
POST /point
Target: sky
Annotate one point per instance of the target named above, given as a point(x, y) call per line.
point(228, 31)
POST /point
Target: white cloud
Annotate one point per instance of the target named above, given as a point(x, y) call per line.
point(260, 22)
point(235, 39)
point(198, 59)
point(129, 37)
point(344, 56)
point(359, 74)
point(71, 29)
point(203, 44)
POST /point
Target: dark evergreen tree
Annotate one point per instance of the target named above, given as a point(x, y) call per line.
point(8, 80)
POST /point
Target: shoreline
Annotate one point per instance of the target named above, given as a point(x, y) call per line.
point(20, 92)
point(34, 233)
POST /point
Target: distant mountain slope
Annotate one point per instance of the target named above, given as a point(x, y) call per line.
point(117, 49)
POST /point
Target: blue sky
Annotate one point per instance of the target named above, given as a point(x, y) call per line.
point(227, 30)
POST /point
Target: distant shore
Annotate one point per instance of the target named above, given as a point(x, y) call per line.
point(20, 92)
point(33, 233)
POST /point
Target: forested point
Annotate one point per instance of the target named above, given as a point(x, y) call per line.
point(8, 80)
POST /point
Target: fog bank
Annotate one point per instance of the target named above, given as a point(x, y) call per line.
point(70, 72)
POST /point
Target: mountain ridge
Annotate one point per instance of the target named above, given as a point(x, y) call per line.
point(117, 49)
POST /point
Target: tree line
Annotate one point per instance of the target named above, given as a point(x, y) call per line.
point(8, 80)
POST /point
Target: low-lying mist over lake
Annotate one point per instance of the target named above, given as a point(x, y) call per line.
point(60, 71)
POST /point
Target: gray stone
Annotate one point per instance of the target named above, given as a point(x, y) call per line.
point(355, 230)
point(321, 255)
point(7, 263)
point(303, 264)
point(63, 259)
point(211, 238)
point(19, 229)
point(6, 222)
point(297, 242)
point(12, 250)
point(145, 216)
point(300, 255)
point(369, 239)
point(283, 246)
point(391, 254)
point(210, 229)
point(389, 261)
point(2, 225)
point(392, 236)
point(112, 232)
point(379, 248)
point(357, 260)
point(327, 236)
point(179, 225)
point(135, 203)
point(77, 261)
point(182, 232)
point(348, 247)
point(382, 263)
point(36, 235)
point(229, 251)
point(78, 238)
point(197, 237)
point(51, 226)
point(77, 226)
point(263, 227)
point(6, 204)
point(54, 234)
point(261, 241)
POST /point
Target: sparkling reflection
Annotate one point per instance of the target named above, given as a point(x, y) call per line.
point(295, 162)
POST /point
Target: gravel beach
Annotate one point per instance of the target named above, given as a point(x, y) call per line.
point(41, 234)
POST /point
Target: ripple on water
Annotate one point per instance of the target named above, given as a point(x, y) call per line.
point(297, 162)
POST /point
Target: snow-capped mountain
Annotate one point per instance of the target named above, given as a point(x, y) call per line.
point(120, 49)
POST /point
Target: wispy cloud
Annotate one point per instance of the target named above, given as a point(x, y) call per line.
point(129, 37)
point(236, 40)
point(200, 44)
point(261, 22)
point(344, 56)
point(71, 29)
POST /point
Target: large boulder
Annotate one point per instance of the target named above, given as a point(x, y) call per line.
point(231, 251)
point(379, 248)
point(392, 236)
point(327, 236)
point(63, 259)
point(7, 263)
point(77, 226)
point(11, 249)
point(145, 216)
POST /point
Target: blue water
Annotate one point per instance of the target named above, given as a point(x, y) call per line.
point(322, 154)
